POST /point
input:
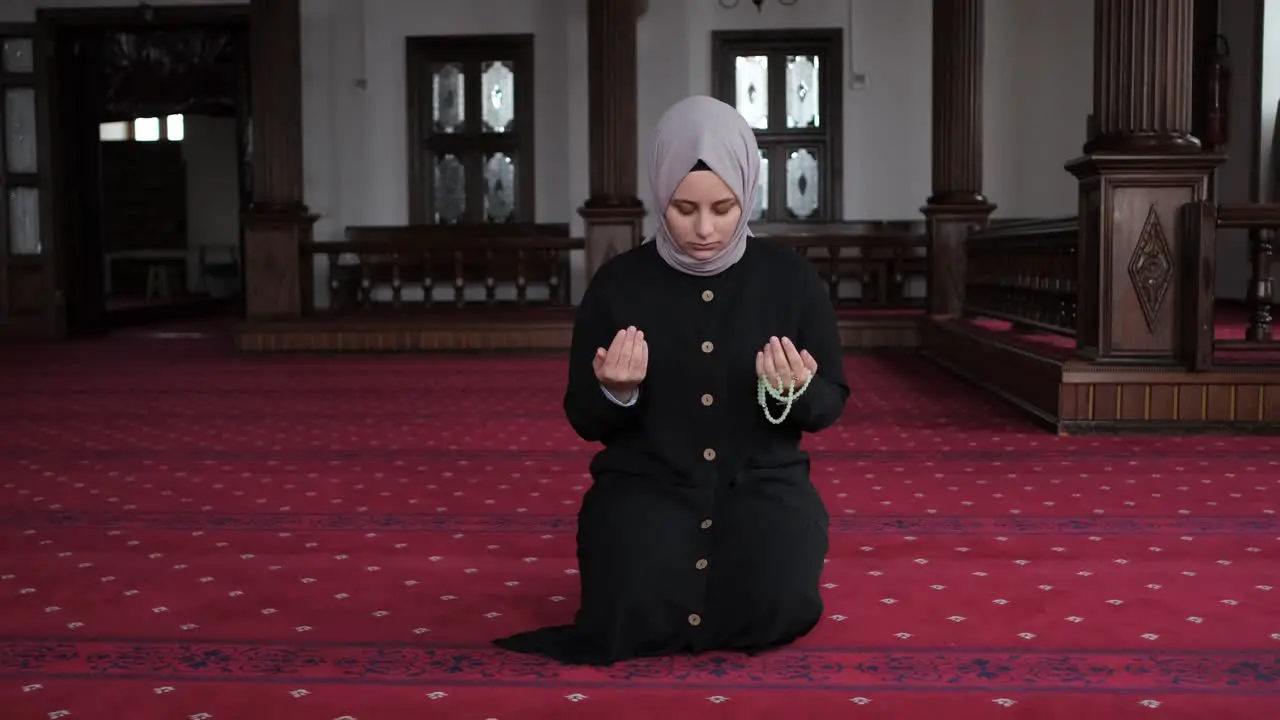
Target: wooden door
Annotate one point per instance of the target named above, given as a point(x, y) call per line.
point(28, 288)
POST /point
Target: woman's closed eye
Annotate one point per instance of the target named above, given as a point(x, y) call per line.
point(724, 207)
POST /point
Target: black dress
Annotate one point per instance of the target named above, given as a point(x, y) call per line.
point(701, 530)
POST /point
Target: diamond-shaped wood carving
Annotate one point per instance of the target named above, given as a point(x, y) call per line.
point(1151, 268)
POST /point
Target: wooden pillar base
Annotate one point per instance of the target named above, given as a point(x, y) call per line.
point(1142, 143)
point(948, 226)
point(611, 230)
point(278, 278)
point(1131, 284)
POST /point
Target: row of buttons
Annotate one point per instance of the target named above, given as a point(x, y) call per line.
point(694, 618)
point(709, 454)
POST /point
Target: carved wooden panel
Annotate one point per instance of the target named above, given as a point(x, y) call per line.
point(1136, 247)
point(150, 72)
point(1151, 269)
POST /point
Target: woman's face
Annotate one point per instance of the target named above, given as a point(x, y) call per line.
point(702, 215)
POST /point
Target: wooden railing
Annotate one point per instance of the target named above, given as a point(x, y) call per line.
point(1202, 221)
point(867, 265)
point(1262, 222)
point(425, 267)
point(1024, 272)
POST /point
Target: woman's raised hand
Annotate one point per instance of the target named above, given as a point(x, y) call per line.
point(780, 364)
point(622, 367)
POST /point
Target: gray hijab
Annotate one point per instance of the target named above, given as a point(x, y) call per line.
point(703, 128)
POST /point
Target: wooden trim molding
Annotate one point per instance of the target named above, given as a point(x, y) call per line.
point(1077, 396)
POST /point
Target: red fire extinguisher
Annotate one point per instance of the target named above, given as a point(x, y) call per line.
point(1218, 88)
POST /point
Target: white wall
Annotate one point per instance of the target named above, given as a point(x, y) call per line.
point(1236, 177)
point(1037, 83)
point(1269, 71)
point(886, 135)
point(1270, 67)
point(354, 94)
point(210, 152)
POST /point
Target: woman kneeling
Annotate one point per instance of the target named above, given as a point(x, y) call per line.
point(698, 360)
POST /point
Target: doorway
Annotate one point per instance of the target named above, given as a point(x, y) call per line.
point(149, 111)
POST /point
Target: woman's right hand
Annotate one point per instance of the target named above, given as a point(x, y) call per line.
point(622, 367)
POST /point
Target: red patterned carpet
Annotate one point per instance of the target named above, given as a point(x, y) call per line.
point(192, 534)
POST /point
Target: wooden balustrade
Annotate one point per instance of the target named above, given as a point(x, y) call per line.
point(867, 265)
point(1262, 222)
point(489, 287)
point(425, 267)
point(1202, 220)
point(1024, 272)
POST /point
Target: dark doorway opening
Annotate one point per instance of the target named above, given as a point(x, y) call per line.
point(149, 112)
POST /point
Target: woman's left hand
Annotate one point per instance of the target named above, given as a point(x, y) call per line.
point(780, 363)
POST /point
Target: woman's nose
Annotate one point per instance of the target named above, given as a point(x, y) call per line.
point(704, 225)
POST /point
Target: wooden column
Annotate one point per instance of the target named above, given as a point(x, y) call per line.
point(1142, 68)
point(614, 215)
point(956, 206)
point(278, 224)
point(1141, 163)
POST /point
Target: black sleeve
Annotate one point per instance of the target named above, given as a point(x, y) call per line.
point(593, 415)
point(823, 402)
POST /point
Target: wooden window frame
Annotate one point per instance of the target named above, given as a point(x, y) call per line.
point(827, 44)
point(471, 145)
point(21, 289)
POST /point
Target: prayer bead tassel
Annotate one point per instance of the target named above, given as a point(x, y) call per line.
point(766, 390)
